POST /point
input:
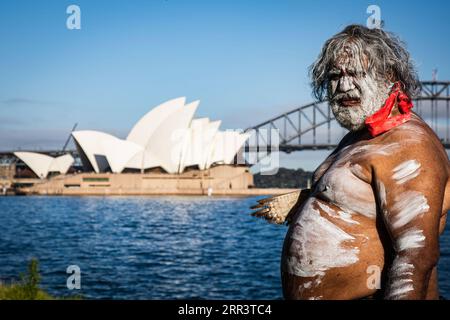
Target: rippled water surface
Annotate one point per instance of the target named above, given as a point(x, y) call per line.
point(150, 247)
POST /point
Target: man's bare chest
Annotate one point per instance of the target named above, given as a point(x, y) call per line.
point(344, 180)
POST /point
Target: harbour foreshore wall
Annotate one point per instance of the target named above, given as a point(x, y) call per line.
point(220, 180)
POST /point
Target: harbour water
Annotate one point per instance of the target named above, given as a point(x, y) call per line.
point(150, 247)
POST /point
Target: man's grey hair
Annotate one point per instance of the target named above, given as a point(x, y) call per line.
point(384, 52)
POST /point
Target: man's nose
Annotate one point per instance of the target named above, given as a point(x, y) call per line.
point(346, 84)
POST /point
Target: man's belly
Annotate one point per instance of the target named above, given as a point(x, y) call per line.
point(331, 254)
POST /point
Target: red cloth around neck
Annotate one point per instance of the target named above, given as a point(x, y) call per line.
point(380, 121)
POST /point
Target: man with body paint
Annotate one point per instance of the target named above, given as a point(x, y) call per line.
point(380, 199)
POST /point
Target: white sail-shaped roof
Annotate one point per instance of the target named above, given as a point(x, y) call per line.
point(167, 142)
point(147, 125)
point(42, 164)
point(98, 146)
point(144, 159)
point(208, 143)
point(235, 144)
point(226, 145)
point(193, 149)
point(119, 152)
point(61, 164)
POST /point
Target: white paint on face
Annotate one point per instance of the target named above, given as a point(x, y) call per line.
point(406, 171)
point(410, 239)
point(400, 282)
point(344, 216)
point(346, 84)
point(318, 245)
point(349, 79)
point(408, 206)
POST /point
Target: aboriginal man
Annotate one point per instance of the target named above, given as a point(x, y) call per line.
point(378, 203)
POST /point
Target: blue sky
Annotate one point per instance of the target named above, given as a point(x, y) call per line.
point(245, 60)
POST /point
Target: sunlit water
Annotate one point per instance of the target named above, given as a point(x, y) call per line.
point(150, 247)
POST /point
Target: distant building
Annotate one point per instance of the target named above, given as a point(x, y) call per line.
point(167, 137)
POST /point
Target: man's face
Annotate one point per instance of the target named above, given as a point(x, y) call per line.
point(354, 92)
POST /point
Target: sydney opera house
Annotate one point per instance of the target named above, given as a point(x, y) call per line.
point(167, 137)
point(167, 151)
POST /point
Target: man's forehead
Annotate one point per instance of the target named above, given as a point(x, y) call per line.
point(350, 58)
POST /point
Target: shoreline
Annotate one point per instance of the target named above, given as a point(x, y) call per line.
point(233, 192)
point(223, 180)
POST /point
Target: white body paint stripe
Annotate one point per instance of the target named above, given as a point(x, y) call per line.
point(411, 239)
point(406, 171)
point(318, 245)
point(344, 216)
point(407, 207)
point(401, 291)
point(400, 282)
point(382, 194)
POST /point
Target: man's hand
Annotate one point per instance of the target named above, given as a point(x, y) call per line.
point(280, 209)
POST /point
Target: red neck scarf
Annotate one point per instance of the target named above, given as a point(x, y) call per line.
point(381, 121)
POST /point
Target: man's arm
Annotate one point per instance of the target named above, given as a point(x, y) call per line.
point(410, 189)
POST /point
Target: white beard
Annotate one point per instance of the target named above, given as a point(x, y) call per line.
point(373, 97)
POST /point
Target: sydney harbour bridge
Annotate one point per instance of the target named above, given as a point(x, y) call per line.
point(313, 127)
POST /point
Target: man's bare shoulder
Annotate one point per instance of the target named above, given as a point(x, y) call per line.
point(414, 132)
point(413, 141)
